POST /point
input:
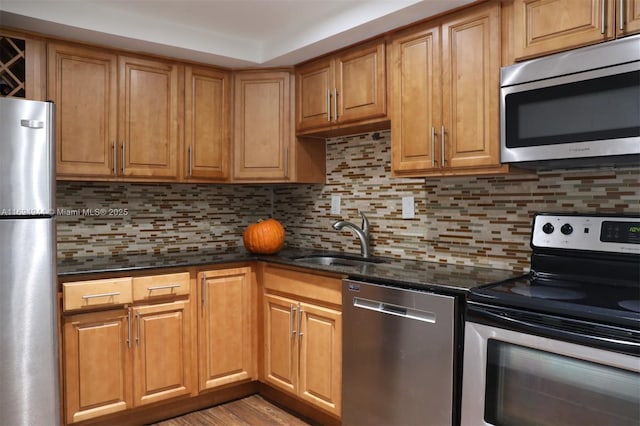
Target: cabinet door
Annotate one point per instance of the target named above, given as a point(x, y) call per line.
point(360, 80)
point(280, 343)
point(314, 94)
point(545, 26)
point(416, 93)
point(630, 23)
point(226, 329)
point(97, 364)
point(148, 118)
point(161, 354)
point(262, 127)
point(207, 119)
point(320, 336)
point(83, 84)
point(471, 69)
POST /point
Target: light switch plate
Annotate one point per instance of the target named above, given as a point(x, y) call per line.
point(335, 204)
point(408, 209)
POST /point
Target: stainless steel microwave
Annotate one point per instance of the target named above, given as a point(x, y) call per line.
point(576, 108)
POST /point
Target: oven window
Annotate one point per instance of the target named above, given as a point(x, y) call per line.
point(527, 386)
point(597, 109)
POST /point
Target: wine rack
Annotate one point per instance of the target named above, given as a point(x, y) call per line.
point(12, 67)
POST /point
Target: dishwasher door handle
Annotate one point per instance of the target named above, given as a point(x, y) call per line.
point(397, 310)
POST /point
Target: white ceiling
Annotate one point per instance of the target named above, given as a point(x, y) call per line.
point(230, 33)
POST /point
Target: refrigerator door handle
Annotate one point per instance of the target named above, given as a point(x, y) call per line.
point(32, 124)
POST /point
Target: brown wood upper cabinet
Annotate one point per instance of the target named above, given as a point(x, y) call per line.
point(117, 116)
point(207, 120)
point(83, 83)
point(345, 88)
point(541, 27)
point(148, 132)
point(444, 95)
point(265, 148)
point(262, 125)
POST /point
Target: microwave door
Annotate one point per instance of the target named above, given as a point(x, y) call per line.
point(590, 114)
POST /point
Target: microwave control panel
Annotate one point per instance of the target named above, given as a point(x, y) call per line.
point(613, 234)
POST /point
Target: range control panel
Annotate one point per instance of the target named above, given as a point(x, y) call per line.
point(614, 234)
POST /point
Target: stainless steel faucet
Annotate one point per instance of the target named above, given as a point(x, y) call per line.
point(361, 232)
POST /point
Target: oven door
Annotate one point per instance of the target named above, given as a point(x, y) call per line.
point(516, 378)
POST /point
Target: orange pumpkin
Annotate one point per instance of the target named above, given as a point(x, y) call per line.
point(264, 237)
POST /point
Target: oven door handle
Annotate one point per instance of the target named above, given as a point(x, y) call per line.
point(613, 343)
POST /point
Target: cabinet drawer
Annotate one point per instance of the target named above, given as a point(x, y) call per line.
point(316, 287)
point(154, 286)
point(94, 293)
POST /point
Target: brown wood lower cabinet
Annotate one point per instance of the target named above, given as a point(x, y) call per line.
point(126, 357)
point(303, 336)
point(135, 348)
point(161, 352)
point(97, 364)
point(226, 330)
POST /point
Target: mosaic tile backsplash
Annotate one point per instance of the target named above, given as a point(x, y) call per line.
point(103, 219)
point(480, 221)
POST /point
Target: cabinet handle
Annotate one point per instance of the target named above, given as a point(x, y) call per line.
point(204, 289)
point(190, 162)
point(129, 328)
point(621, 23)
point(329, 105)
point(286, 163)
point(93, 296)
point(433, 147)
point(162, 287)
point(115, 158)
point(300, 312)
point(137, 328)
point(123, 157)
point(442, 159)
point(292, 312)
point(335, 105)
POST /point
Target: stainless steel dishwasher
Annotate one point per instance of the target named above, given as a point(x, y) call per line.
point(398, 356)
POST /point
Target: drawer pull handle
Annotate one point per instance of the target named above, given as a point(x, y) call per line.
point(163, 287)
point(93, 296)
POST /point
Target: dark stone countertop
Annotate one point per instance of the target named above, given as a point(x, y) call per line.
point(421, 275)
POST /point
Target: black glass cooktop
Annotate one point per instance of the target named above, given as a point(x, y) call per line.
point(616, 305)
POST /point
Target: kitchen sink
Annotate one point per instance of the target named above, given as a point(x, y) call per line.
point(338, 260)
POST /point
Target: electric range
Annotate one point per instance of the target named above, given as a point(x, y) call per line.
point(560, 345)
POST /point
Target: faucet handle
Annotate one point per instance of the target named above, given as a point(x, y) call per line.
point(365, 224)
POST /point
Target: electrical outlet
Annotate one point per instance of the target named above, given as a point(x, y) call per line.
point(335, 204)
point(408, 208)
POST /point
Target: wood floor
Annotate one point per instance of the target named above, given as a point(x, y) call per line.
point(250, 411)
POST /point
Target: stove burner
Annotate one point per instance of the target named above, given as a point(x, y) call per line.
point(548, 293)
point(631, 305)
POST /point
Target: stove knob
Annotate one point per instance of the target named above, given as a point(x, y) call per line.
point(547, 228)
point(566, 229)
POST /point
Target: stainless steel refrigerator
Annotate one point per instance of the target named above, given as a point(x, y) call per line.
point(29, 380)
